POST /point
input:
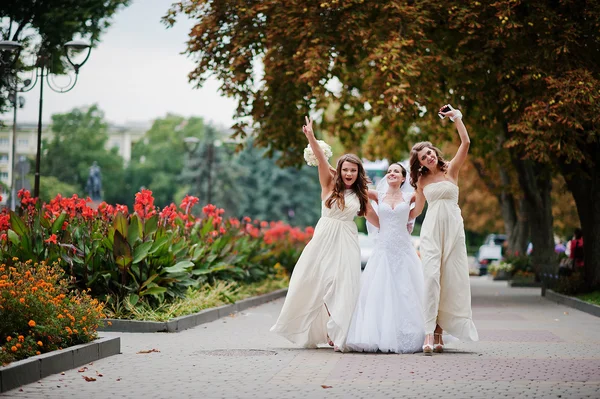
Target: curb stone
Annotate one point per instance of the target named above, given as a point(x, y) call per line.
point(37, 367)
point(523, 284)
point(189, 321)
point(573, 303)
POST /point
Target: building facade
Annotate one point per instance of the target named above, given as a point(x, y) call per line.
point(121, 137)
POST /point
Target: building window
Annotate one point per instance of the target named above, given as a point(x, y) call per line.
point(4, 176)
point(22, 142)
point(4, 159)
point(4, 141)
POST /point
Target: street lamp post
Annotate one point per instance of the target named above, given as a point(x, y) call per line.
point(17, 102)
point(42, 65)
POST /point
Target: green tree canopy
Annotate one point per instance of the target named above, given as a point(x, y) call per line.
point(158, 159)
point(78, 140)
point(389, 64)
point(49, 24)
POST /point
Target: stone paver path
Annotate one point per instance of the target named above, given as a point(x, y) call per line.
point(529, 348)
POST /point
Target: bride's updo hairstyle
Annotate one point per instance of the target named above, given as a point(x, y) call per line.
point(403, 171)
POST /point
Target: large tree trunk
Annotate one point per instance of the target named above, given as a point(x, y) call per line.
point(536, 182)
point(516, 223)
point(584, 183)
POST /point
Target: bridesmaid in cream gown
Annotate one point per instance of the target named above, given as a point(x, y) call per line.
point(447, 305)
point(325, 282)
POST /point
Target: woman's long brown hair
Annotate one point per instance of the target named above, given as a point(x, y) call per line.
point(416, 170)
point(360, 186)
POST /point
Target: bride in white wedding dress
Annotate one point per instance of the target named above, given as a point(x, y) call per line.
point(389, 312)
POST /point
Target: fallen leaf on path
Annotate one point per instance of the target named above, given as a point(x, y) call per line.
point(92, 363)
point(118, 379)
point(63, 373)
point(99, 374)
point(566, 312)
point(149, 351)
point(326, 386)
point(81, 370)
point(88, 379)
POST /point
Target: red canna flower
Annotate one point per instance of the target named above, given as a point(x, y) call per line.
point(168, 214)
point(121, 208)
point(4, 222)
point(188, 203)
point(144, 204)
point(209, 209)
point(51, 239)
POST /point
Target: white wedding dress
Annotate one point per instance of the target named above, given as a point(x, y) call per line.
point(389, 312)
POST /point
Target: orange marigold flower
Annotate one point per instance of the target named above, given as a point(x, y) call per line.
point(31, 323)
point(40, 343)
point(19, 346)
point(38, 353)
point(22, 300)
point(8, 339)
point(21, 338)
point(13, 348)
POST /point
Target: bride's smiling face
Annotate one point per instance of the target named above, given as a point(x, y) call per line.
point(395, 175)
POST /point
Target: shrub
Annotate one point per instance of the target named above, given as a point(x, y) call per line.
point(39, 313)
point(520, 263)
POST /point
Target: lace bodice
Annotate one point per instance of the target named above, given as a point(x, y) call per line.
point(392, 224)
point(352, 206)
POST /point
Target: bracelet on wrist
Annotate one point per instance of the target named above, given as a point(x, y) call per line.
point(457, 116)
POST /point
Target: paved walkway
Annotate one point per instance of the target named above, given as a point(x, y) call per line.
point(529, 348)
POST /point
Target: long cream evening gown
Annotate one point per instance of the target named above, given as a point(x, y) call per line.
point(326, 277)
point(445, 264)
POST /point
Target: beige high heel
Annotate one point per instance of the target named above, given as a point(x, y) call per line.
point(428, 347)
point(439, 347)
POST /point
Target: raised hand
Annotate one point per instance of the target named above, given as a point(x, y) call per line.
point(307, 129)
point(448, 111)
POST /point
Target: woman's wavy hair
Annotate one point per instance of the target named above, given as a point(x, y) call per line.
point(416, 170)
point(360, 186)
point(403, 171)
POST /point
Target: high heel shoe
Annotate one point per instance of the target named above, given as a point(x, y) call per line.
point(439, 347)
point(427, 346)
point(329, 341)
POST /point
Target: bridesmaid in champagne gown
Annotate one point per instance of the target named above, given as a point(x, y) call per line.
point(447, 305)
point(325, 283)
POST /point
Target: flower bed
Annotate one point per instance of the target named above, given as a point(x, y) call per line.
point(39, 313)
point(149, 257)
point(500, 270)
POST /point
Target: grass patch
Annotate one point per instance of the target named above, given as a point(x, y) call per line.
point(207, 296)
point(592, 297)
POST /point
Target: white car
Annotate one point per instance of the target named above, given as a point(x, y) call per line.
point(490, 251)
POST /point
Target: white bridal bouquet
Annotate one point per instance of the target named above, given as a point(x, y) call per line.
point(310, 157)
